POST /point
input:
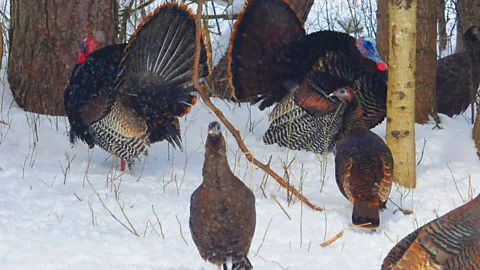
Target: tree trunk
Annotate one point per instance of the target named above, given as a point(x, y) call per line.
point(426, 50)
point(401, 89)
point(468, 14)
point(382, 29)
point(426, 76)
point(44, 42)
point(218, 79)
point(476, 132)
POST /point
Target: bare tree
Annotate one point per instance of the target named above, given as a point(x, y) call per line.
point(401, 89)
point(426, 50)
point(44, 41)
point(468, 14)
point(425, 75)
point(382, 28)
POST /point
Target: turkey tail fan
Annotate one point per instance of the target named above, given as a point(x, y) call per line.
point(166, 131)
point(243, 264)
point(366, 213)
point(157, 68)
point(262, 30)
point(373, 103)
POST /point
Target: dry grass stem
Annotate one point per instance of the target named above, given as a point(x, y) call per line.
point(159, 223)
point(131, 229)
point(181, 231)
point(263, 239)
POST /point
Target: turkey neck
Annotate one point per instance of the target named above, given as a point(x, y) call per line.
point(353, 116)
point(216, 171)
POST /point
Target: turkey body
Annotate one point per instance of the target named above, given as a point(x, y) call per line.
point(451, 241)
point(126, 97)
point(222, 209)
point(363, 165)
point(363, 170)
point(458, 76)
point(273, 60)
point(91, 90)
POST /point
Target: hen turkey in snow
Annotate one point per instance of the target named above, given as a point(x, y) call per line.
point(363, 164)
point(458, 76)
point(272, 59)
point(222, 209)
point(450, 242)
point(125, 97)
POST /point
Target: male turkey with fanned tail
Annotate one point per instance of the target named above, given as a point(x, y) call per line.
point(222, 209)
point(125, 97)
point(363, 163)
point(273, 60)
point(450, 242)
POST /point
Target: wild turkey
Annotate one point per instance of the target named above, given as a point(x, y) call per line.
point(458, 76)
point(363, 164)
point(450, 242)
point(125, 97)
point(222, 209)
point(272, 60)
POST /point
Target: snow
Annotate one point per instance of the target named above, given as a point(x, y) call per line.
point(49, 221)
point(54, 220)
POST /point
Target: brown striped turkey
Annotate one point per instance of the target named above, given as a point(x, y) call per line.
point(222, 209)
point(125, 97)
point(273, 60)
point(363, 164)
point(450, 242)
point(458, 76)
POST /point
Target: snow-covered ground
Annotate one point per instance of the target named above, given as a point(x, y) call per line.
point(51, 218)
point(57, 201)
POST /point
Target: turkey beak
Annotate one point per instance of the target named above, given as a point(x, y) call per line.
point(334, 98)
point(83, 46)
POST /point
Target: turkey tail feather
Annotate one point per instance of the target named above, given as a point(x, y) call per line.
point(243, 264)
point(365, 213)
point(157, 70)
point(253, 53)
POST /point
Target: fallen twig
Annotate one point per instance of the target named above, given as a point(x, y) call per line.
point(340, 234)
point(236, 134)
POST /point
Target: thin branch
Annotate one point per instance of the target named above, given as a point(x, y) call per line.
point(236, 134)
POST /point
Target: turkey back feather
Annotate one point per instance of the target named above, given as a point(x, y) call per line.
point(157, 68)
point(90, 92)
point(451, 241)
point(262, 29)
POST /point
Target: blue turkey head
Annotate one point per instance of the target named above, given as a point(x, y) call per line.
point(368, 49)
point(344, 94)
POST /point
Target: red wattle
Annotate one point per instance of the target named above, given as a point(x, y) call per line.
point(81, 59)
point(381, 66)
point(123, 164)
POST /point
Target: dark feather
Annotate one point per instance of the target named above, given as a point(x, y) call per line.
point(262, 28)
